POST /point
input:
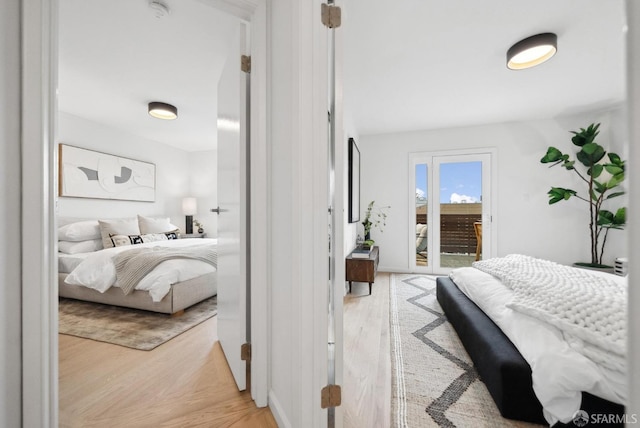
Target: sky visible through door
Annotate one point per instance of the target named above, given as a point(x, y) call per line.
point(460, 182)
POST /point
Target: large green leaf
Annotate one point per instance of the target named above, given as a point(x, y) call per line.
point(608, 219)
point(615, 159)
point(590, 154)
point(616, 194)
point(595, 170)
point(621, 216)
point(615, 180)
point(605, 218)
point(585, 136)
point(613, 169)
point(553, 155)
point(557, 194)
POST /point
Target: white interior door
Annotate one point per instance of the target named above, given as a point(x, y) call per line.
point(232, 201)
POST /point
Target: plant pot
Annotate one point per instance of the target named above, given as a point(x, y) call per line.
point(595, 267)
point(200, 230)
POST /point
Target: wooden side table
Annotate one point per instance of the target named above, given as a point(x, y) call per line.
point(362, 270)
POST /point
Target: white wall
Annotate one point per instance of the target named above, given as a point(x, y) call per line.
point(298, 230)
point(525, 222)
point(633, 80)
point(203, 185)
point(10, 248)
point(281, 393)
point(173, 169)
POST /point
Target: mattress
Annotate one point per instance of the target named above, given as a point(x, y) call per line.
point(544, 348)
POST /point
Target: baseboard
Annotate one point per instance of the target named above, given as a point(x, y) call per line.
point(390, 269)
point(277, 411)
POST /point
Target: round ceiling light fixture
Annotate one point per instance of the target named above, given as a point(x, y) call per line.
point(532, 51)
point(163, 110)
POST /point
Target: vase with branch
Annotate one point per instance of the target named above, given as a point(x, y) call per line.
point(602, 177)
point(374, 217)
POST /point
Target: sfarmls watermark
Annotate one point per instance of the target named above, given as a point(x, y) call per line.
point(582, 418)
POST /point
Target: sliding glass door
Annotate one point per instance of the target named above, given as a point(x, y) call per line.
point(450, 216)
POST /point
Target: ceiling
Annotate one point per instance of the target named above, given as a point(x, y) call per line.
point(425, 64)
point(116, 56)
point(408, 64)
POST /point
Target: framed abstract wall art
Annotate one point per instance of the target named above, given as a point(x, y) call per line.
point(354, 181)
point(85, 173)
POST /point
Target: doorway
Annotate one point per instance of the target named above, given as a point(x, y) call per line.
point(450, 210)
point(40, 342)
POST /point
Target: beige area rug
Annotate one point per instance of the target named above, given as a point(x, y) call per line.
point(132, 328)
point(434, 381)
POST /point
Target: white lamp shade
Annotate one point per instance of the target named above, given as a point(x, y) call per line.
point(189, 206)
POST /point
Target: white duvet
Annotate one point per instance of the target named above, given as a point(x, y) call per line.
point(559, 373)
point(97, 270)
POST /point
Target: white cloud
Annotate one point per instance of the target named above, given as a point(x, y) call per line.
point(420, 193)
point(461, 199)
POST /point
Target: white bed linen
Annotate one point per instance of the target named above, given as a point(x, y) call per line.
point(97, 270)
point(68, 262)
point(559, 373)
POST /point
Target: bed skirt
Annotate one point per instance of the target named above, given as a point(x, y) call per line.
point(181, 296)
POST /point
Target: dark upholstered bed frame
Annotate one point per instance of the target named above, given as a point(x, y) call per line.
point(504, 371)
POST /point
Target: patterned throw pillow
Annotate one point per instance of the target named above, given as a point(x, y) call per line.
point(124, 240)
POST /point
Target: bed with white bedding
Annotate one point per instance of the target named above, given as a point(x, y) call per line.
point(574, 341)
point(169, 274)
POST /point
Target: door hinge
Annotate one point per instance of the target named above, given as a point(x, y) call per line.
point(245, 63)
point(330, 396)
point(331, 15)
point(245, 352)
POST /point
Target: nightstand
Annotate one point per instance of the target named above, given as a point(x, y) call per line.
point(193, 235)
point(362, 270)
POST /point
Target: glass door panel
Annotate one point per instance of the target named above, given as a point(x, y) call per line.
point(460, 185)
point(421, 209)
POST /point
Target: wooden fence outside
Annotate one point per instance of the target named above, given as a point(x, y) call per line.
point(457, 234)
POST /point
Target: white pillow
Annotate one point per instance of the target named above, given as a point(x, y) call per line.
point(79, 231)
point(155, 225)
point(123, 226)
point(75, 247)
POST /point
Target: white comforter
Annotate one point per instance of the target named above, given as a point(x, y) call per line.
point(97, 271)
point(559, 372)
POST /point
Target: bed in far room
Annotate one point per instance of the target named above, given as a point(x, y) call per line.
point(543, 359)
point(137, 262)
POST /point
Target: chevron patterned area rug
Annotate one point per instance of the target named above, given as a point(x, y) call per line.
point(434, 381)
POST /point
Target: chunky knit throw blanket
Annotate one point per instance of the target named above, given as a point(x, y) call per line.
point(133, 265)
point(589, 309)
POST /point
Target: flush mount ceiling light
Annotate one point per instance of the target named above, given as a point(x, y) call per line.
point(532, 51)
point(163, 110)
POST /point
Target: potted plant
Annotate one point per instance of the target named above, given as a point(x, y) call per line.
point(374, 217)
point(602, 177)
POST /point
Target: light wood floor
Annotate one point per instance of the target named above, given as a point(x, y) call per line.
point(366, 394)
point(185, 382)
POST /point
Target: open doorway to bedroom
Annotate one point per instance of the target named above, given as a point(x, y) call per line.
point(112, 63)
